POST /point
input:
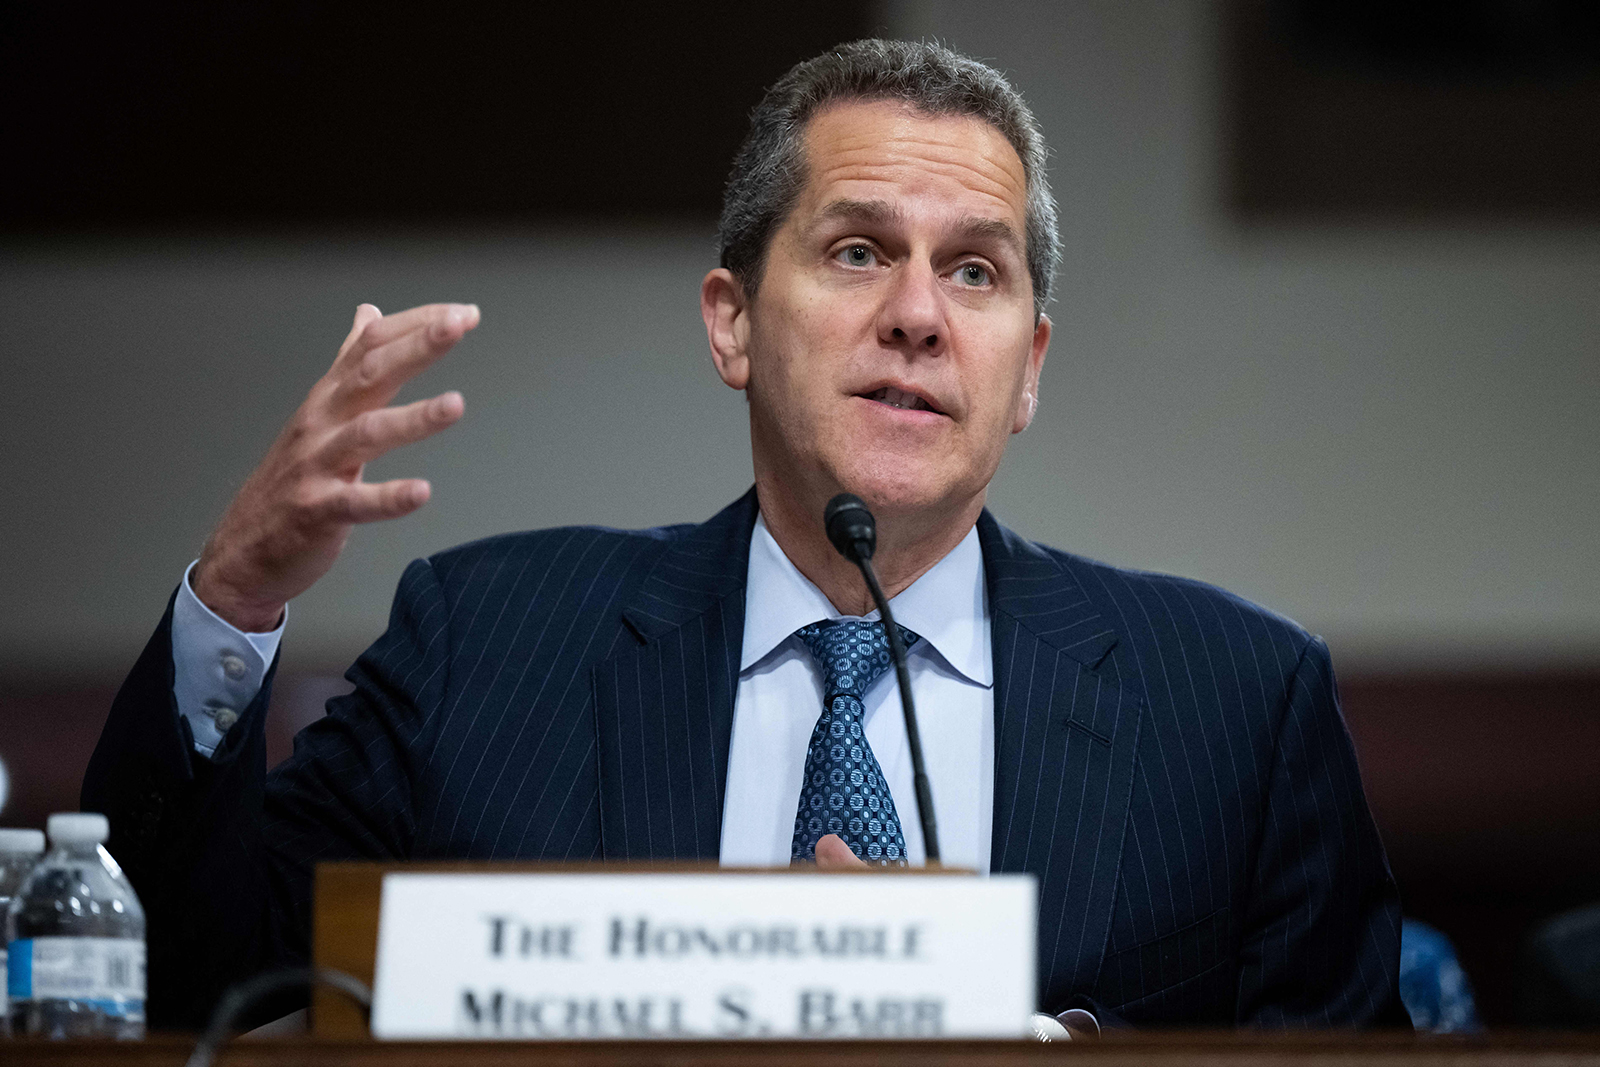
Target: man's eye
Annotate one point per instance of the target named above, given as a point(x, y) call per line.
point(857, 256)
point(973, 274)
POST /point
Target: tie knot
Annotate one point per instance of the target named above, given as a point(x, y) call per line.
point(851, 652)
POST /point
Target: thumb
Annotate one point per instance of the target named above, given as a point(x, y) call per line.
point(834, 855)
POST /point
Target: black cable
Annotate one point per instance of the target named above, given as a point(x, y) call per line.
point(854, 534)
point(897, 652)
point(245, 995)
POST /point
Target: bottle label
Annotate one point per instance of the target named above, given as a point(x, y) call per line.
point(105, 971)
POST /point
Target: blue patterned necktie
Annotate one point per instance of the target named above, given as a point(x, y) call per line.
point(843, 791)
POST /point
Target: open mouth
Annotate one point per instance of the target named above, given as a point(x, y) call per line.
point(897, 398)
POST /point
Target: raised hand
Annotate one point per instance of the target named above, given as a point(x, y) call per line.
point(288, 523)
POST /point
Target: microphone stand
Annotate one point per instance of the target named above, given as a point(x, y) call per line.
point(853, 531)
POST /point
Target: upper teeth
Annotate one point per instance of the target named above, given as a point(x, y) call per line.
point(899, 399)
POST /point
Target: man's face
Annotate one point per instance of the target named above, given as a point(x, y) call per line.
point(892, 349)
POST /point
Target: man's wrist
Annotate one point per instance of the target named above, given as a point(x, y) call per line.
point(243, 615)
point(218, 670)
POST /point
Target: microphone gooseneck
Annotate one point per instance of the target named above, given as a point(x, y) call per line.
point(854, 533)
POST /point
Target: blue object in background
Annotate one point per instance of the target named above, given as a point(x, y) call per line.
point(1432, 984)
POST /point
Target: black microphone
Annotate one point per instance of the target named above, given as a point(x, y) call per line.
point(854, 533)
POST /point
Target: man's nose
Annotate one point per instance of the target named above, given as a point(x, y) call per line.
point(912, 316)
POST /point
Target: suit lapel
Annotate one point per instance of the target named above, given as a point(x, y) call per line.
point(1065, 739)
point(1065, 736)
point(664, 707)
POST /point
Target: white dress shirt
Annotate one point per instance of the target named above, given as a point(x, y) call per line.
point(218, 670)
point(780, 698)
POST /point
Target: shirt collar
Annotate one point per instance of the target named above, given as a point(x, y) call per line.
point(948, 606)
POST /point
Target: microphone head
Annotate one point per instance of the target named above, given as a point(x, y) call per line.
point(850, 527)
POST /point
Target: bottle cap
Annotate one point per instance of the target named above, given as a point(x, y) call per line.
point(23, 842)
point(78, 828)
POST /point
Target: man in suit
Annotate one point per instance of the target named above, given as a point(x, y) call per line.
point(1168, 760)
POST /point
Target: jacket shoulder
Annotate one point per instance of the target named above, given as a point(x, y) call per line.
point(1122, 583)
point(564, 574)
point(578, 542)
point(1164, 616)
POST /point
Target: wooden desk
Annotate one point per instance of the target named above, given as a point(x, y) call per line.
point(1142, 1050)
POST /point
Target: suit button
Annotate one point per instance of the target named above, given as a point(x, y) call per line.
point(225, 718)
point(233, 666)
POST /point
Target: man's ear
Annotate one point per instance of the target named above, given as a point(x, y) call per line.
point(1028, 402)
point(726, 311)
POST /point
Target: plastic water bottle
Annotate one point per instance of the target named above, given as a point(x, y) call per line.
point(77, 955)
point(19, 851)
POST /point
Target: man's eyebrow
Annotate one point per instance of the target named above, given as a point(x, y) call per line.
point(975, 228)
point(879, 212)
point(869, 211)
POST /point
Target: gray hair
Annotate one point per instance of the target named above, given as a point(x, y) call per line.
point(770, 168)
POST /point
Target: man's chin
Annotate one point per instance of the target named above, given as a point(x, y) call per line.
point(905, 493)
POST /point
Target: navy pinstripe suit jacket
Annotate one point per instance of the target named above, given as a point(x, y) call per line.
point(1170, 762)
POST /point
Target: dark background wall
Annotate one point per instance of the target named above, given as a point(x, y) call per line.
point(1283, 362)
point(261, 113)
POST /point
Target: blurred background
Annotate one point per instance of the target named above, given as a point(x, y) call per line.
point(1326, 335)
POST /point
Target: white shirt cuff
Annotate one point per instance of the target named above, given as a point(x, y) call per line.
point(1074, 1024)
point(217, 669)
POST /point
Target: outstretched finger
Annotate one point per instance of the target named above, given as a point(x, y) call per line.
point(392, 350)
point(372, 433)
point(365, 314)
point(376, 501)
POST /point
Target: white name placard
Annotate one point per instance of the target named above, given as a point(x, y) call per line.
point(684, 956)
